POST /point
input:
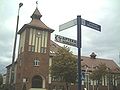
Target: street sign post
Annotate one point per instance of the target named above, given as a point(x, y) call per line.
point(79, 50)
point(79, 21)
point(65, 40)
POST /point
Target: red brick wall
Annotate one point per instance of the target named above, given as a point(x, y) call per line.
point(27, 69)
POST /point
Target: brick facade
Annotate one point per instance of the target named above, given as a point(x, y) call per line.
point(27, 67)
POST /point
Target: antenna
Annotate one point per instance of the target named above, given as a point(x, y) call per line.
point(36, 4)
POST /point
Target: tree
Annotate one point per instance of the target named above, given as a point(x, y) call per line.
point(1, 80)
point(98, 73)
point(64, 66)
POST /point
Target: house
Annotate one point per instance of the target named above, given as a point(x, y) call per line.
point(109, 81)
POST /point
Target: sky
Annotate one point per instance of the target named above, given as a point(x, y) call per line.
point(106, 44)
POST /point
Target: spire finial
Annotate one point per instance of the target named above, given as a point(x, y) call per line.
point(36, 4)
point(36, 14)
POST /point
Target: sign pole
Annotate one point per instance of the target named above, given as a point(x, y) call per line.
point(79, 50)
point(79, 21)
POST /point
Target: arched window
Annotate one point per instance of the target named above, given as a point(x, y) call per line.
point(36, 62)
point(37, 82)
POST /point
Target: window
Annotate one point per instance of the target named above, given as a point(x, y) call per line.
point(22, 42)
point(36, 62)
point(61, 87)
point(31, 48)
point(43, 50)
point(38, 40)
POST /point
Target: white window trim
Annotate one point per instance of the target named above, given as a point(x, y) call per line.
point(36, 62)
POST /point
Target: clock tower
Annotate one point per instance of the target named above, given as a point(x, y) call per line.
point(33, 55)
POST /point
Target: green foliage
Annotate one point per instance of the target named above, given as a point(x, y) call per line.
point(64, 66)
point(99, 72)
point(1, 79)
point(3, 86)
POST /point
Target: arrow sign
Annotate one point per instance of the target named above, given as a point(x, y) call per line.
point(90, 24)
point(65, 40)
point(68, 24)
point(79, 21)
point(83, 22)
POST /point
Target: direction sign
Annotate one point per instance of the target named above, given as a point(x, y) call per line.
point(68, 24)
point(79, 21)
point(83, 22)
point(65, 40)
point(91, 25)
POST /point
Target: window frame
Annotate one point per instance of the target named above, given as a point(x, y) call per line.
point(36, 62)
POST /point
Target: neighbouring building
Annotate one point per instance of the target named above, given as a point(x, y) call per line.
point(36, 49)
point(109, 82)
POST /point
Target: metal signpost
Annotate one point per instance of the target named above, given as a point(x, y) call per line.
point(79, 50)
point(79, 21)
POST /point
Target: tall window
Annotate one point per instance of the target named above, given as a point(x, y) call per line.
point(22, 42)
point(38, 40)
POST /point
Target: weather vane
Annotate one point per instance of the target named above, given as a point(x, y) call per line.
point(37, 4)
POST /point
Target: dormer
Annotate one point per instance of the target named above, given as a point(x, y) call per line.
point(93, 55)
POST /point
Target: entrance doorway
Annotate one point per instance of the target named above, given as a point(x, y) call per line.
point(37, 82)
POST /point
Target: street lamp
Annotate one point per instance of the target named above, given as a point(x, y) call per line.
point(14, 48)
point(13, 58)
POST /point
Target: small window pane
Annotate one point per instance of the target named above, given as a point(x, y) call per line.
point(33, 48)
point(29, 48)
point(36, 62)
point(43, 50)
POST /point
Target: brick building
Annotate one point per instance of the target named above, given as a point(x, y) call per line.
point(32, 64)
point(35, 56)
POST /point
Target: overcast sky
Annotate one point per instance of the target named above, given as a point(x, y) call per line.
point(106, 44)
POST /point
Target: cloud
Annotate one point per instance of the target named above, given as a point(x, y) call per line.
point(107, 42)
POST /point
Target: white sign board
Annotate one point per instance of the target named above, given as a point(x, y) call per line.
point(83, 22)
point(91, 25)
point(68, 25)
point(65, 40)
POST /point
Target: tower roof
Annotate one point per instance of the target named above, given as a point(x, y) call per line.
point(36, 22)
point(36, 14)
